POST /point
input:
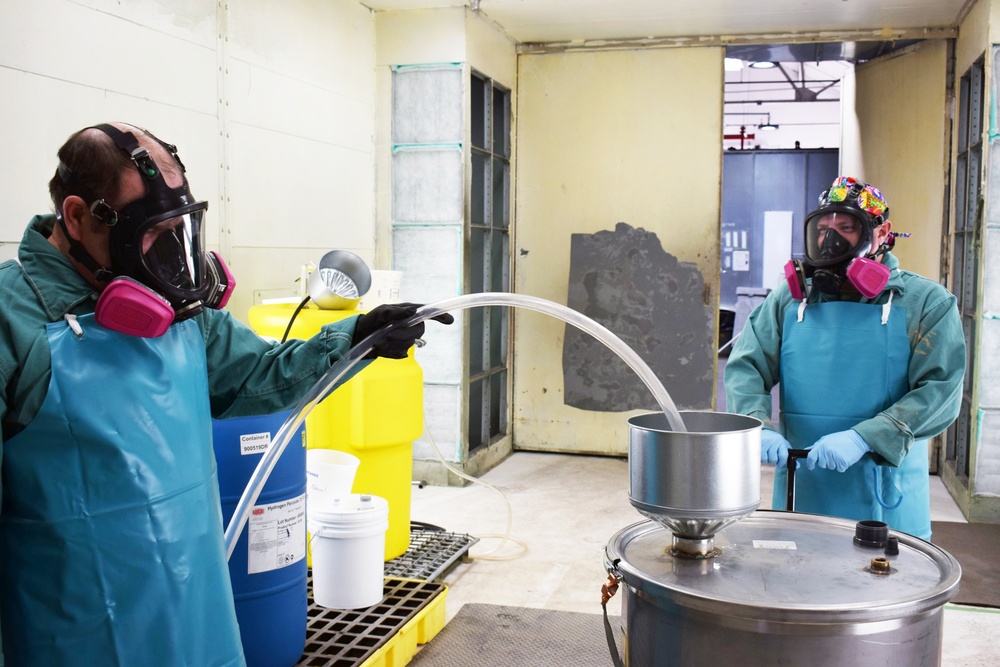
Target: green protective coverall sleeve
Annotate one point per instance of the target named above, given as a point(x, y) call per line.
point(935, 374)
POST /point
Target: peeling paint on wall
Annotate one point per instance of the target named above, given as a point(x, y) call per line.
point(626, 281)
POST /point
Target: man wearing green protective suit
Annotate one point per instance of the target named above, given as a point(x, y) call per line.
point(114, 357)
point(869, 360)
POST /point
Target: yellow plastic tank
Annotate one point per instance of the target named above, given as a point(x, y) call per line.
point(376, 416)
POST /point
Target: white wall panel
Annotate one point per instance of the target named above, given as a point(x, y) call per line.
point(33, 128)
point(265, 99)
point(266, 273)
point(195, 134)
point(292, 191)
point(190, 20)
point(73, 43)
point(329, 43)
point(300, 120)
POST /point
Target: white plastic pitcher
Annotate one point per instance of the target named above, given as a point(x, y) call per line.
point(348, 552)
point(329, 476)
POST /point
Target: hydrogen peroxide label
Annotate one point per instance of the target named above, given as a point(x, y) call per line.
point(254, 443)
point(277, 535)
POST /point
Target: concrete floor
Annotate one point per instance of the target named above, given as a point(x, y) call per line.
point(566, 508)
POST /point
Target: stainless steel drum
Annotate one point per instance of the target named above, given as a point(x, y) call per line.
point(695, 483)
point(784, 589)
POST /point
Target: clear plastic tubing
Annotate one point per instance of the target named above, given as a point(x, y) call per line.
point(326, 384)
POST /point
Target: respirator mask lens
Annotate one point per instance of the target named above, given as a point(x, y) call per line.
point(833, 238)
point(171, 252)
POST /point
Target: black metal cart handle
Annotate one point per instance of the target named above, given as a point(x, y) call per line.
point(793, 456)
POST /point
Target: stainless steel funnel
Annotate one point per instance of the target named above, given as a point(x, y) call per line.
point(340, 280)
point(695, 483)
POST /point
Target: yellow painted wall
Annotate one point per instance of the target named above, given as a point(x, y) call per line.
point(603, 137)
point(490, 51)
point(903, 122)
point(974, 34)
point(420, 36)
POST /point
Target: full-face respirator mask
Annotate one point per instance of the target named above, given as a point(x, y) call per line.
point(159, 271)
point(838, 242)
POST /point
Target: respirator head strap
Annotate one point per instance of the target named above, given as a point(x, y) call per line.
point(102, 274)
point(138, 153)
point(98, 208)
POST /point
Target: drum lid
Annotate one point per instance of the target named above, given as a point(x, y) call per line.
point(787, 566)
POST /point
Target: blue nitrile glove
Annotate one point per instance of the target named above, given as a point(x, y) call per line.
point(773, 448)
point(837, 451)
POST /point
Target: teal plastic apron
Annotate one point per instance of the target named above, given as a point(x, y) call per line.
point(840, 366)
point(111, 548)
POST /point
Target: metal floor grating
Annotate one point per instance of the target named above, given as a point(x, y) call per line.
point(430, 555)
point(336, 638)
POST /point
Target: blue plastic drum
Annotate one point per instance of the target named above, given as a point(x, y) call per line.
point(268, 565)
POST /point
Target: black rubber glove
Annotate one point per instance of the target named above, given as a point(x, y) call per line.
point(396, 342)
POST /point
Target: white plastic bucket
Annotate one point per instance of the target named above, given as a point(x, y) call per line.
point(348, 552)
point(329, 476)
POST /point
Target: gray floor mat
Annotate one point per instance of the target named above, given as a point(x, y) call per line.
point(976, 547)
point(485, 635)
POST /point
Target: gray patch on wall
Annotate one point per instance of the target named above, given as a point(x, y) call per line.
point(626, 281)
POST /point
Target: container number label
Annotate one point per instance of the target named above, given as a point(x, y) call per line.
point(276, 535)
point(773, 544)
point(254, 443)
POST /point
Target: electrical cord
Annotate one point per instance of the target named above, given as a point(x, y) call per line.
point(298, 309)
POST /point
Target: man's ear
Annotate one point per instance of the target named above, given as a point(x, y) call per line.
point(885, 231)
point(75, 213)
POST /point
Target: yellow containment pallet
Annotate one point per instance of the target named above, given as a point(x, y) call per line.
point(383, 635)
point(376, 416)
